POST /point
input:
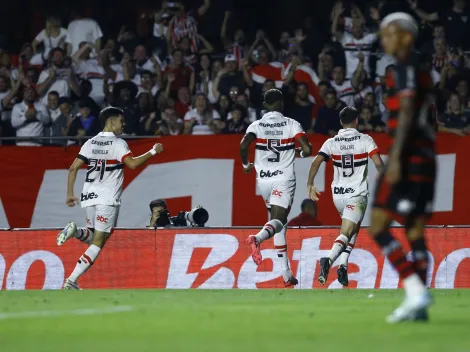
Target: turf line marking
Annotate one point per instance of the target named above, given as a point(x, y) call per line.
point(55, 313)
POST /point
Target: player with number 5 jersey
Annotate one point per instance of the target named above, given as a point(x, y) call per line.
point(349, 150)
point(105, 155)
point(275, 136)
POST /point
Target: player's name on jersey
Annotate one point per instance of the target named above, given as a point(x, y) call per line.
point(350, 139)
point(101, 143)
point(99, 151)
point(346, 147)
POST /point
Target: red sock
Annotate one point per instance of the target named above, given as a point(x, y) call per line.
point(393, 250)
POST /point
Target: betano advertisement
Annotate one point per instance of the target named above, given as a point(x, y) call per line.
point(216, 259)
point(199, 170)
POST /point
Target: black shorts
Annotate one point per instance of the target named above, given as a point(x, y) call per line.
point(405, 199)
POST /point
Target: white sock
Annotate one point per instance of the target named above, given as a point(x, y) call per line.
point(85, 235)
point(280, 244)
point(340, 243)
point(343, 258)
point(269, 230)
point(85, 262)
point(413, 285)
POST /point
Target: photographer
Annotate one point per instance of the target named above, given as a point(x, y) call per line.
point(196, 217)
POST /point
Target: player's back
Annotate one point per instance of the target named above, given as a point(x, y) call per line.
point(414, 80)
point(349, 151)
point(104, 155)
point(275, 146)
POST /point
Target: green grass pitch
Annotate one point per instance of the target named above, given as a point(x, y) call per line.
point(227, 320)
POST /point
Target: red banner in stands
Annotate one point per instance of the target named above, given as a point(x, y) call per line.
point(217, 259)
point(197, 170)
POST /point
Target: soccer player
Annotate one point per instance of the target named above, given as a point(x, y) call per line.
point(105, 155)
point(405, 191)
point(275, 136)
point(349, 150)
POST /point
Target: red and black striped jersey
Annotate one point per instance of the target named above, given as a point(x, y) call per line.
point(413, 80)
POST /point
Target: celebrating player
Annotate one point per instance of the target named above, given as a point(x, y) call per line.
point(405, 191)
point(105, 156)
point(275, 137)
point(349, 150)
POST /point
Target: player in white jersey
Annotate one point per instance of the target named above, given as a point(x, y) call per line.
point(350, 151)
point(275, 136)
point(105, 155)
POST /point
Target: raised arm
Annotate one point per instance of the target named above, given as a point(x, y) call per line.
point(223, 30)
point(359, 73)
point(428, 17)
point(334, 25)
point(203, 9)
point(208, 47)
point(134, 162)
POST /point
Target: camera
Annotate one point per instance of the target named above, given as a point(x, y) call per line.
point(196, 217)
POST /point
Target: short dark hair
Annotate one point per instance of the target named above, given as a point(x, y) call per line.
point(324, 83)
point(306, 203)
point(272, 96)
point(157, 203)
point(331, 91)
point(146, 72)
point(53, 92)
point(108, 113)
point(348, 115)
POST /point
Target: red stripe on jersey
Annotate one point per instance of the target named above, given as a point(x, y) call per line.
point(420, 160)
point(283, 141)
point(335, 157)
point(360, 156)
point(375, 151)
point(125, 156)
point(112, 162)
point(393, 103)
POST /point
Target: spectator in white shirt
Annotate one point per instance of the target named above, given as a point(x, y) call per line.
point(57, 77)
point(202, 119)
point(143, 63)
point(354, 43)
point(345, 88)
point(53, 36)
point(83, 30)
point(29, 118)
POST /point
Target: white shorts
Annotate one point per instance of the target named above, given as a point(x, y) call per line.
point(280, 193)
point(352, 209)
point(102, 217)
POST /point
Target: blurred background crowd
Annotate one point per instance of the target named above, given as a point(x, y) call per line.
point(201, 66)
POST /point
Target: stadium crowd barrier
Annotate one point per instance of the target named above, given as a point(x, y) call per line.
point(217, 258)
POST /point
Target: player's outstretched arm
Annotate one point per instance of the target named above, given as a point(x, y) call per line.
point(312, 190)
point(134, 162)
point(77, 165)
point(244, 149)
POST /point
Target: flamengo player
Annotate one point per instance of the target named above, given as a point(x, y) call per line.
point(349, 150)
point(105, 155)
point(405, 191)
point(275, 137)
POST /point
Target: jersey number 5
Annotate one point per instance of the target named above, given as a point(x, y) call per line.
point(272, 147)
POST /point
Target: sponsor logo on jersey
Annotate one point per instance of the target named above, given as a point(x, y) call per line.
point(102, 143)
point(88, 196)
point(351, 206)
point(343, 190)
point(279, 124)
point(273, 133)
point(268, 173)
point(344, 139)
point(102, 219)
point(88, 221)
point(276, 193)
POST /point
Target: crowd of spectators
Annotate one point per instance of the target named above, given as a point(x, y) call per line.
point(177, 82)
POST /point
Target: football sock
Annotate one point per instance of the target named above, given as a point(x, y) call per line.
point(420, 257)
point(281, 246)
point(393, 250)
point(344, 257)
point(338, 246)
point(84, 234)
point(85, 262)
point(269, 230)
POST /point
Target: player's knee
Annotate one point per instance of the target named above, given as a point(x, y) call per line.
point(348, 229)
point(99, 239)
point(415, 229)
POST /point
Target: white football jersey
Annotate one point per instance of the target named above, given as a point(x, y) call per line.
point(350, 151)
point(275, 146)
point(104, 155)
